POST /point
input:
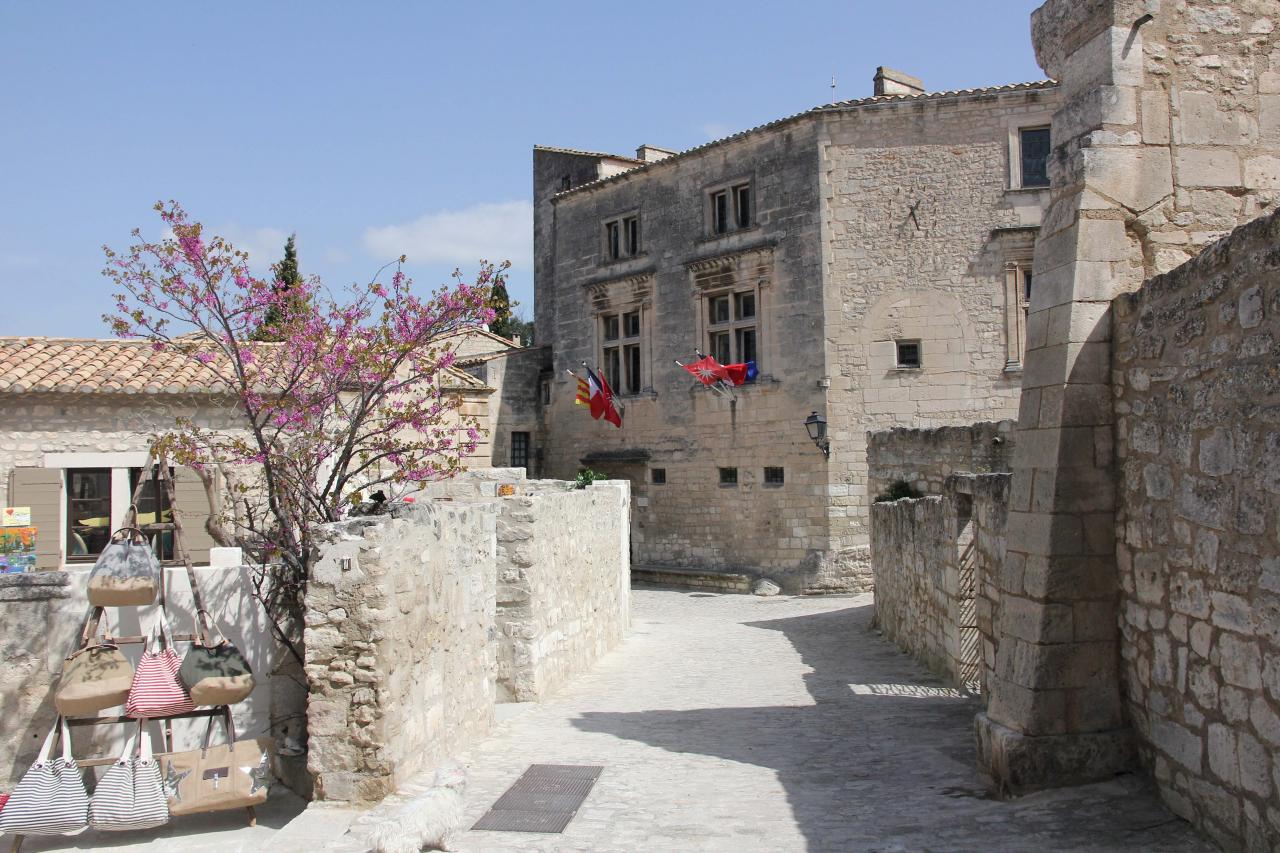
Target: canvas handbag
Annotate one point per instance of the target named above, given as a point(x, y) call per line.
point(50, 799)
point(129, 795)
point(156, 690)
point(95, 677)
point(127, 571)
point(231, 775)
point(215, 673)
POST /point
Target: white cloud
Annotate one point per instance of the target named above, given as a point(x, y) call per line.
point(714, 130)
point(496, 231)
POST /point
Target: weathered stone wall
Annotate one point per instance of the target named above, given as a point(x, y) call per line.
point(398, 615)
point(1198, 544)
point(516, 403)
point(41, 615)
point(925, 458)
point(990, 493)
point(563, 592)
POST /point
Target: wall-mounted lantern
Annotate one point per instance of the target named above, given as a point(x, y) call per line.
point(816, 426)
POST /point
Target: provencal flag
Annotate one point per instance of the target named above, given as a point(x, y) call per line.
point(584, 392)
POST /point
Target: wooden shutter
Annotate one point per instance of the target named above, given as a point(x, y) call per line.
point(41, 489)
point(190, 501)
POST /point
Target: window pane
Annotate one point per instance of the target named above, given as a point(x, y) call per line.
point(88, 511)
point(908, 353)
point(1035, 157)
point(719, 309)
point(728, 476)
point(742, 205)
point(614, 238)
point(720, 347)
point(631, 324)
point(744, 306)
point(633, 235)
point(774, 476)
point(720, 212)
point(658, 476)
point(746, 344)
point(632, 354)
point(153, 508)
point(519, 450)
point(612, 365)
point(1026, 285)
point(611, 327)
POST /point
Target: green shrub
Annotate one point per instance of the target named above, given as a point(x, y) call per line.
point(897, 490)
point(586, 477)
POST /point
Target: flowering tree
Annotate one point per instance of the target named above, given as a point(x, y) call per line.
point(345, 399)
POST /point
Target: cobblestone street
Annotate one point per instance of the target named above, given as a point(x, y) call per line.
point(736, 723)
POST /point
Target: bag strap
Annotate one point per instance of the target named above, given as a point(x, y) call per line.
point(207, 628)
point(230, 727)
point(131, 514)
point(66, 741)
point(137, 537)
point(130, 742)
point(164, 630)
point(47, 748)
point(144, 738)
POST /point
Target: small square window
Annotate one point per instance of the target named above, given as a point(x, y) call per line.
point(908, 354)
point(774, 477)
point(658, 476)
point(1033, 143)
point(728, 476)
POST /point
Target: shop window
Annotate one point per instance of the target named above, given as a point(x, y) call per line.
point(88, 512)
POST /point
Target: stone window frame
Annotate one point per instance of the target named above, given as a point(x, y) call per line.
point(1018, 279)
point(775, 477)
point(1015, 126)
point(620, 298)
point(897, 353)
point(630, 237)
point(734, 276)
point(734, 213)
point(658, 476)
point(521, 445)
point(728, 477)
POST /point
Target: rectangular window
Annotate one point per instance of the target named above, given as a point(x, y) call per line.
point(1033, 144)
point(613, 367)
point(745, 339)
point(908, 354)
point(611, 327)
point(720, 212)
point(719, 309)
point(546, 392)
point(658, 476)
point(1026, 286)
point(631, 233)
point(631, 324)
point(774, 477)
point(631, 356)
point(88, 512)
point(720, 349)
point(153, 508)
point(744, 306)
point(739, 342)
point(613, 240)
point(520, 450)
point(728, 476)
point(742, 205)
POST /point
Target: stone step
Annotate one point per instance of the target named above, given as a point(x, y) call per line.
point(720, 581)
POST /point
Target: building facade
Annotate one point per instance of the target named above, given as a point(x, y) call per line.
point(873, 258)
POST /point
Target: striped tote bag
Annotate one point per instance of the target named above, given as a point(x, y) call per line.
point(50, 799)
point(129, 795)
point(156, 690)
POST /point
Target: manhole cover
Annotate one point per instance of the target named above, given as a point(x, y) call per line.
point(544, 799)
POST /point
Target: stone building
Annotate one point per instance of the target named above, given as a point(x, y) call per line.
point(873, 257)
point(76, 421)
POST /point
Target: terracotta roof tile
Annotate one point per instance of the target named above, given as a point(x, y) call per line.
point(85, 366)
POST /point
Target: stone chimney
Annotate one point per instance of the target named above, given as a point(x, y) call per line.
point(890, 82)
point(652, 153)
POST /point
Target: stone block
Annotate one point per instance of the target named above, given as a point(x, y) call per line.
point(1135, 176)
point(1208, 168)
point(1018, 763)
point(1201, 121)
point(1262, 173)
point(1155, 118)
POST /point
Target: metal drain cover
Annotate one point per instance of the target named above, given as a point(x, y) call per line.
point(544, 799)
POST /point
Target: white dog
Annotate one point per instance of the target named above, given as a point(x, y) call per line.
point(427, 822)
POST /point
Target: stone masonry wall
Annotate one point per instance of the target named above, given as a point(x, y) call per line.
point(398, 619)
point(925, 458)
point(563, 593)
point(1197, 385)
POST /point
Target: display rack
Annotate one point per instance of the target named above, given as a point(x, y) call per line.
point(93, 621)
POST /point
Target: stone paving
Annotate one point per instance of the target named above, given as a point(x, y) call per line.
point(736, 723)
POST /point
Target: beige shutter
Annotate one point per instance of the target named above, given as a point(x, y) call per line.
point(191, 503)
point(41, 489)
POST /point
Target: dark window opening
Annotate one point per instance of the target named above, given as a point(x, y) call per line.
point(613, 240)
point(566, 183)
point(908, 354)
point(611, 327)
point(728, 476)
point(720, 212)
point(631, 355)
point(631, 324)
point(1026, 285)
point(658, 476)
point(742, 205)
point(719, 309)
point(774, 477)
point(720, 347)
point(631, 231)
point(153, 508)
point(1034, 143)
point(746, 345)
point(520, 450)
point(88, 512)
point(744, 306)
point(612, 367)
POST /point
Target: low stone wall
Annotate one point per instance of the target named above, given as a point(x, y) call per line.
point(934, 559)
point(41, 615)
point(1197, 407)
point(399, 612)
point(924, 458)
point(564, 592)
point(419, 621)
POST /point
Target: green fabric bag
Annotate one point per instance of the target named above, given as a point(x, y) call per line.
point(215, 673)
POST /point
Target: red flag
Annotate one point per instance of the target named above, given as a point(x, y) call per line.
point(602, 400)
point(707, 370)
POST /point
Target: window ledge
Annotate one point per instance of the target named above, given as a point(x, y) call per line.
point(613, 262)
point(901, 368)
point(736, 232)
point(1026, 190)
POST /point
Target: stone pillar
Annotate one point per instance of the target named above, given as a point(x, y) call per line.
point(1054, 713)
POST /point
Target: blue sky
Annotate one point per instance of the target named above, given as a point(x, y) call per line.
point(379, 128)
